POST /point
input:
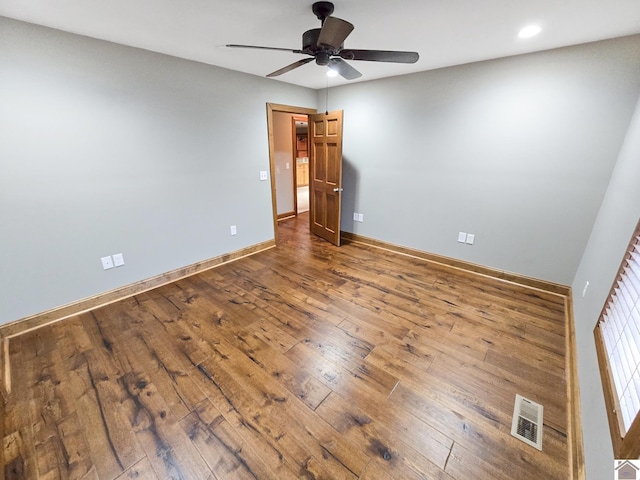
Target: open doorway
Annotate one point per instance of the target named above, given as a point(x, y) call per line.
point(301, 153)
point(289, 161)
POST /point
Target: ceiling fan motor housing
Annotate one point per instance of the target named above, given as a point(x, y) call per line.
point(322, 10)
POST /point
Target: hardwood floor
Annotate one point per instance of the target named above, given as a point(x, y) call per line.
point(303, 361)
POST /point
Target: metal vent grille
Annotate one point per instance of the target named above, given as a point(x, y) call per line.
point(527, 422)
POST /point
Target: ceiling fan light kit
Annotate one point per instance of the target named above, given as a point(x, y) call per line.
point(325, 45)
point(530, 31)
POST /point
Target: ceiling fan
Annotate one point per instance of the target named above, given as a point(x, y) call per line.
point(326, 46)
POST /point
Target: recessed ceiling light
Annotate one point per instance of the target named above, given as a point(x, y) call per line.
point(331, 72)
point(530, 31)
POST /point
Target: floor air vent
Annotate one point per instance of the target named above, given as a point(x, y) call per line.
point(527, 422)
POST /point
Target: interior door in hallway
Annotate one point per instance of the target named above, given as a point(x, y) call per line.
point(325, 182)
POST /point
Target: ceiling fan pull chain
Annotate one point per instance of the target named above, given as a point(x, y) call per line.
point(326, 98)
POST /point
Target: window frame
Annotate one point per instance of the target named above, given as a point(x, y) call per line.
point(626, 443)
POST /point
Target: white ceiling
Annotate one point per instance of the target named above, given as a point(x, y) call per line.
point(443, 32)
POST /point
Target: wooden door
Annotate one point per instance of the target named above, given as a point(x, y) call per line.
point(325, 182)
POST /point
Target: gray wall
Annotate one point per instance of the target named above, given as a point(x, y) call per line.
point(107, 149)
point(611, 233)
point(517, 151)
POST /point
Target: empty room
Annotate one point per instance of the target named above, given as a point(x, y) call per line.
point(359, 240)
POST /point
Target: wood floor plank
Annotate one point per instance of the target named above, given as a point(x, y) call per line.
point(508, 297)
point(167, 322)
point(19, 455)
point(174, 384)
point(381, 441)
point(542, 337)
point(164, 442)
point(99, 400)
point(77, 455)
point(499, 385)
point(480, 430)
point(255, 439)
point(302, 361)
point(380, 407)
point(332, 343)
point(267, 424)
point(464, 464)
point(272, 335)
point(224, 450)
point(140, 471)
point(268, 407)
point(458, 394)
point(19, 447)
point(293, 377)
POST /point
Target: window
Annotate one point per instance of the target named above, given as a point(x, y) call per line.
point(617, 336)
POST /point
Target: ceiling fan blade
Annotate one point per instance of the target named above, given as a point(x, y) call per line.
point(380, 55)
point(264, 48)
point(344, 69)
point(334, 31)
point(288, 68)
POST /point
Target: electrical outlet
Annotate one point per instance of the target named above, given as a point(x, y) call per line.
point(234, 230)
point(462, 237)
point(118, 260)
point(107, 262)
point(470, 238)
point(263, 175)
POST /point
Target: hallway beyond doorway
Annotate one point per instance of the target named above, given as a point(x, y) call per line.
point(303, 199)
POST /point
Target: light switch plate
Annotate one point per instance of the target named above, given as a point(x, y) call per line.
point(263, 175)
point(361, 217)
point(107, 262)
point(355, 217)
point(470, 238)
point(118, 260)
point(462, 237)
point(234, 230)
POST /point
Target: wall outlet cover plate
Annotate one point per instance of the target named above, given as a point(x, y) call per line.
point(107, 262)
point(118, 259)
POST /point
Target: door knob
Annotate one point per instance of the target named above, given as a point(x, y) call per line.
point(338, 189)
